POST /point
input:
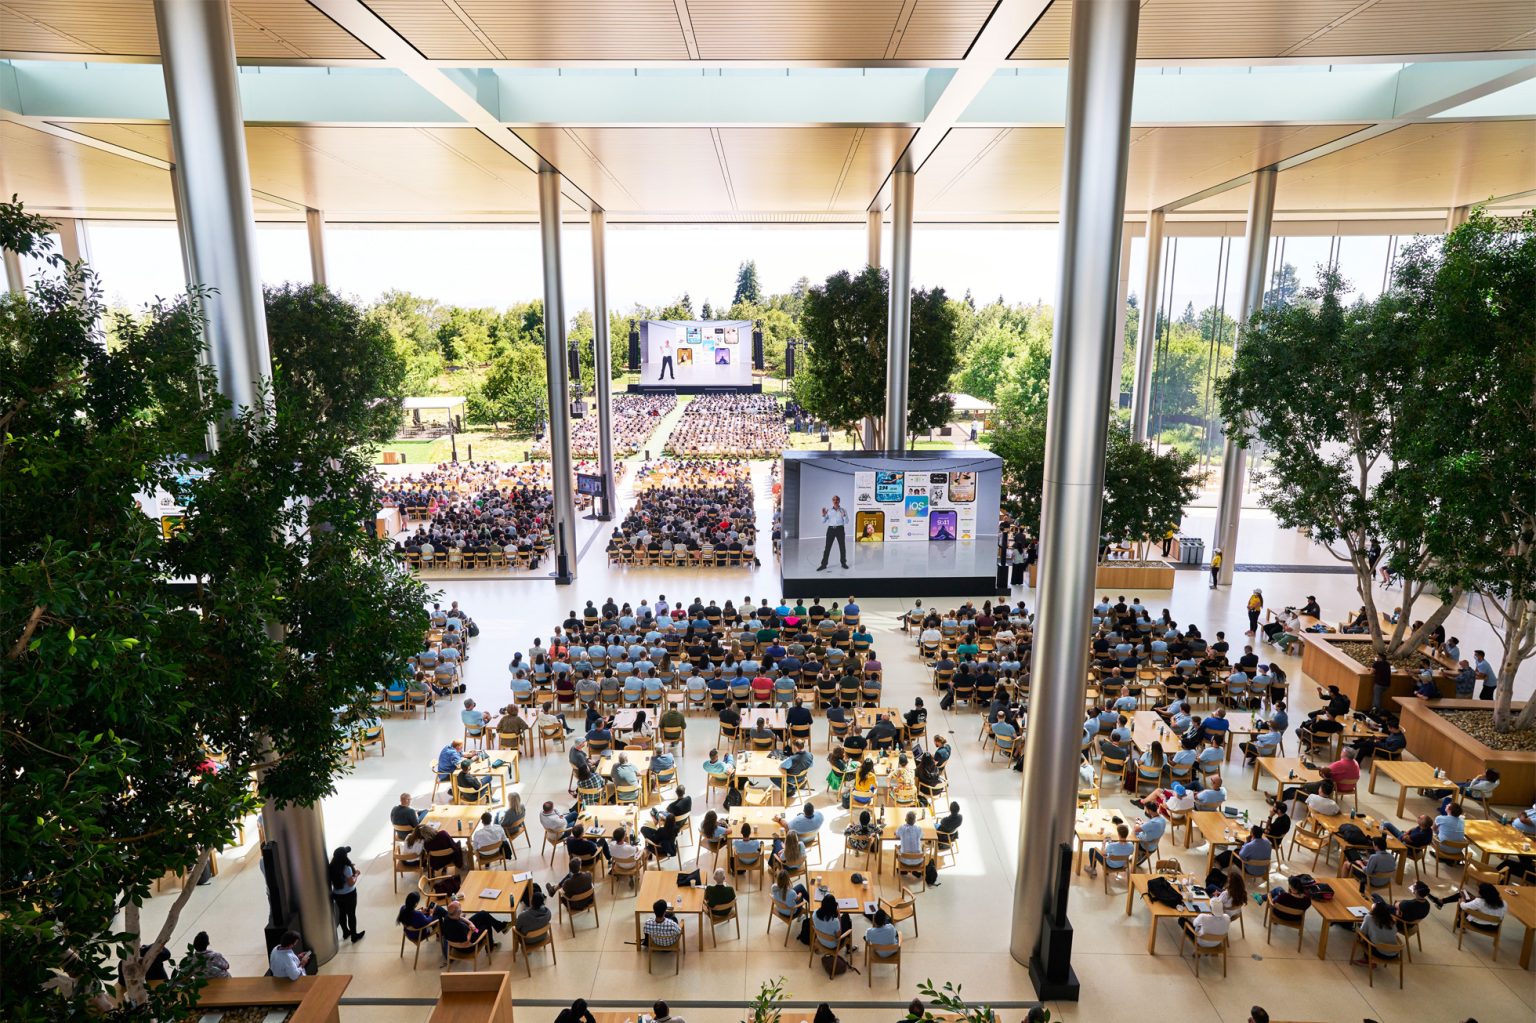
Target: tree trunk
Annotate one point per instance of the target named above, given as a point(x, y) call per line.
point(1519, 644)
point(136, 964)
point(1415, 638)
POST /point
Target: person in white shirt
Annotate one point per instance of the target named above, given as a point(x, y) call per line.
point(286, 962)
point(1322, 803)
point(1181, 800)
point(622, 845)
point(1208, 929)
point(909, 836)
point(490, 836)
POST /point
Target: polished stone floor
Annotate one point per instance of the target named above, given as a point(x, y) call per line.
point(964, 923)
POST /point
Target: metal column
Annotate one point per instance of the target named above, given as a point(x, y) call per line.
point(314, 223)
point(1122, 293)
point(1234, 459)
point(15, 279)
point(218, 233)
point(1100, 77)
point(602, 361)
point(872, 230)
point(557, 379)
point(898, 345)
point(208, 148)
point(1146, 333)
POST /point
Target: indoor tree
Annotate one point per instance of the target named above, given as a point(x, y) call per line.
point(843, 379)
point(1323, 386)
point(255, 634)
point(1472, 299)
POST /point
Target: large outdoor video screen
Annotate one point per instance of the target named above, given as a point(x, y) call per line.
point(928, 498)
point(696, 353)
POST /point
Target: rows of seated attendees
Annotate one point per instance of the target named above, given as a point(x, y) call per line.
point(635, 417)
point(715, 655)
point(749, 425)
point(698, 511)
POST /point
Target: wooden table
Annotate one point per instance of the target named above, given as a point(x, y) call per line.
point(639, 759)
point(1346, 894)
point(1493, 839)
point(1409, 774)
point(609, 817)
point(662, 884)
point(1521, 900)
point(474, 998)
point(1138, 886)
point(1281, 769)
point(864, 717)
point(458, 819)
point(1094, 827)
point(761, 818)
point(773, 719)
point(1219, 831)
point(761, 767)
point(477, 881)
point(316, 996)
point(925, 821)
point(510, 767)
point(1331, 823)
point(840, 884)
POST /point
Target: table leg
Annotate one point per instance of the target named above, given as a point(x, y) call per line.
point(1077, 856)
point(1322, 941)
point(1402, 798)
point(637, 933)
point(1255, 783)
point(1210, 858)
point(1525, 948)
point(1152, 936)
point(1129, 890)
point(1372, 787)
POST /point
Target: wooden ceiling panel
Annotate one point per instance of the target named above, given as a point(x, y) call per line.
point(794, 29)
point(810, 169)
point(434, 29)
point(1013, 170)
point(262, 28)
point(1168, 164)
point(50, 173)
point(579, 29)
point(942, 29)
point(652, 170)
point(1419, 166)
point(1191, 29)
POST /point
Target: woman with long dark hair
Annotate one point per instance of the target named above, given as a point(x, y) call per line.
point(343, 877)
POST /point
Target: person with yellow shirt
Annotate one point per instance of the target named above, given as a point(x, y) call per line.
point(1215, 567)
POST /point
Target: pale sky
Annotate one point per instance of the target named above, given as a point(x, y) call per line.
point(499, 265)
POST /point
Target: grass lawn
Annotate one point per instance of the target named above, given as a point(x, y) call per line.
point(486, 446)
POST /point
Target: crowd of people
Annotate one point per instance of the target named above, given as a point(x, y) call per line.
point(475, 508)
point(691, 505)
point(635, 417)
point(747, 425)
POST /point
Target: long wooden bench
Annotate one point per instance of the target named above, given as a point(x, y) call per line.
point(316, 997)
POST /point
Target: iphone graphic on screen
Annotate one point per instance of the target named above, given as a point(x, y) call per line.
point(890, 487)
point(870, 526)
point(942, 525)
point(962, 487)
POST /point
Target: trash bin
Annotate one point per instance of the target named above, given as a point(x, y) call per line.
point(1191, 550)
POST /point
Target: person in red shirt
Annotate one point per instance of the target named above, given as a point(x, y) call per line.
point(762, 689)
point(1345, 771)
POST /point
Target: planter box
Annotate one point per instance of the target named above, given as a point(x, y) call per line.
point(315, 998)
point(1437, 741)
point(1324, 663)
point(1126, 578)
point(474, 998)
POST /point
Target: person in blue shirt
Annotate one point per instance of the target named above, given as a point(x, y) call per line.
point(850, 609)
point(449, 758)
point(1121, 733)
point(1264, 744)
point(1212, 795)
point(882, 932)
point(1216, 726)
point(1149, 834)
point(473, 718)
point(1127, 703)
point(1181, 718)
point(1279, 718)
point(1116, 854)
point(1449, 827)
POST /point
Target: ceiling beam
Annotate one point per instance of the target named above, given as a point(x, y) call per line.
point(1009, 22)
point(1420, 98)
point(377, 35)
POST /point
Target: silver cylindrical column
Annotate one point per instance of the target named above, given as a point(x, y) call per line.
point(1099, 74)
point(602, 362)
point(1146, 329)
point(15, 280)
point(898, 345)
point(872, 230)
point(314, 224)
point(208, 147)
point(557, 378)
point(1234, 459)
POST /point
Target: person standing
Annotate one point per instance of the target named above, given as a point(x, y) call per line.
point(1215, 567)
point(1483, 670)
point(343, 878)
point(1381, 681)
point(666, 362)
point(1255, 607)
point(836, 521)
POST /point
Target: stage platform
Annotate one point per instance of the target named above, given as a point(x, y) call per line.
point(653, 388)
point(959, 569)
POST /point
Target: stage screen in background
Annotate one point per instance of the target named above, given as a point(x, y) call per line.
point(935, 497)
point(695, 353)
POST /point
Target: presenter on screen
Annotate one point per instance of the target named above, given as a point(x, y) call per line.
point(666, 361)
point(836, 521)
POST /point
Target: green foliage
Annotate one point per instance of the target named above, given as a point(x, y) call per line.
point(768, 1004)
point(514, 391)
point(121, 682)
point(1144, 490)
point(747, 288)
point(1471, 304)
point(949, 1000)
point(412, 324)
point(332, 364)
point(1322, 386)
point(844, 325)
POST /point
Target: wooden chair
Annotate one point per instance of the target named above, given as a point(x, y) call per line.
point(717, 915)
point(483, 858)
point(579, 904)
point(1454, 853)
point(469, 951)
point(1280, 916)
point(822, 945)
point(405, 865)
point(1384, 955)
point(777, 912)
point(902, 908)
point(1181, 819)
point(1311, 837)
point(1199, 951)
point(533, 941)
point(912, 865)
point(1477, 922)
point(882, 955)
point(632, 868)
point(747, 864)
point(416, 936)
point(438, 861)
point(520, 829)
point(677, 948)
